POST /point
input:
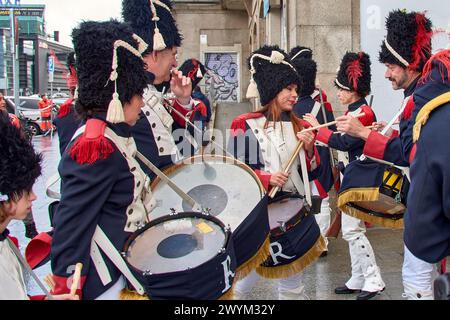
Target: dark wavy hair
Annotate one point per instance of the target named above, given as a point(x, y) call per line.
point(20, 165)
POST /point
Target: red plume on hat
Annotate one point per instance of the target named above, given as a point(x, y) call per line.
point(442, 60)
point(422, 46)
point(355, 72)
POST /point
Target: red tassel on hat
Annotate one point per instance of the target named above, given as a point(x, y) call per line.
point(93, 145)
point(443, 59)
point(354, 73)
point(422, 46)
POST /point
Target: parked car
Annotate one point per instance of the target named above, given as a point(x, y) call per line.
point(28, 112)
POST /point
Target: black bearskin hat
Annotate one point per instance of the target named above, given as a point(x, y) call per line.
point(139, 14)
point(193, 69)
point(408, 40)
point(306, 67)
point(355, 73)
point(272, 71)
point(300, 52)
point(20, 164)
point(94, 44)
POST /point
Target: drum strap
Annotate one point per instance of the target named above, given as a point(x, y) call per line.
point(316, 109)
point(278, 139)
point(101, 240)
point(49, 184)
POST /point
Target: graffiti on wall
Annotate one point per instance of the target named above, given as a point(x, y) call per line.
point(222, 80)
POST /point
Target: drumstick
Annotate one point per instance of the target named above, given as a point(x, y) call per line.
point(329, 124)
point(76, 279)
point(299, 148)
point(288, 167)
point(50, 282)
point(369, 127)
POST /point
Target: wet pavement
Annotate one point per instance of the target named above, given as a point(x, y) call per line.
point(320, 279)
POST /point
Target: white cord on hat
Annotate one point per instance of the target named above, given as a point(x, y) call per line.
point(396, 54)
point(142, 44)
point(158, 40)
point(300, 52)
point(275, 58)
point(342, 86)
point(115, 109)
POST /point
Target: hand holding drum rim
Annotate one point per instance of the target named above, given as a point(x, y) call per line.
point(279, 179)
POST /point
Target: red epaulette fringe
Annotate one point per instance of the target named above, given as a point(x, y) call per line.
point(92, 145)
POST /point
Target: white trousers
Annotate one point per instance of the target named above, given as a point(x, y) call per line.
point(418, 277)
point(366, 274)
point(291, 288)
point(324, 217)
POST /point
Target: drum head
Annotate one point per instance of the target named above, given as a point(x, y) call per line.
point(229, 189)
point(282, 211)
point(176, 245)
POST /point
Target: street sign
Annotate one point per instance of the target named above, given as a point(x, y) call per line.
point(51, 77)
point(51, 64)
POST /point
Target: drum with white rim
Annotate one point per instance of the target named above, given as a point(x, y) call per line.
point(230, 191)
point(183, 256)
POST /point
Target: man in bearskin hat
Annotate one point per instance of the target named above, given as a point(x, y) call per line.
point(405, 51)
point(427, 222)
point(310, 102)
point(354, 85)
point(152, 20)
point(66, 122)
point(104, 197)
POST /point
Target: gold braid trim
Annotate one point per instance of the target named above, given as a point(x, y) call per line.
point(365, 194)
point(128, 295)
point(424, 114)
point(254, 262)
point(358, 195)
point(383, 222)
point(295, 267)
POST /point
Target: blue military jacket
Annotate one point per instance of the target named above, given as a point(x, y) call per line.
point(427, 220)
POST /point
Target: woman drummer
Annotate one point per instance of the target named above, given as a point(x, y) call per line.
point(353, 84)
point(102, 184)
point(266, 140)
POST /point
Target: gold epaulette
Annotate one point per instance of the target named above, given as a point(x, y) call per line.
point(424, 114)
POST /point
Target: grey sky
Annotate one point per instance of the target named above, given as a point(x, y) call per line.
point(64, 15)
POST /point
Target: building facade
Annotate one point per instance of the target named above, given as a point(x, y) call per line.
point(222, 34)
point(34, 50)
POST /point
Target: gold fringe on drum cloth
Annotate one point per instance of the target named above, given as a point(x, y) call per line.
point(365, 194)
point(254, 262)
point(128, 295)
point(295, 267)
